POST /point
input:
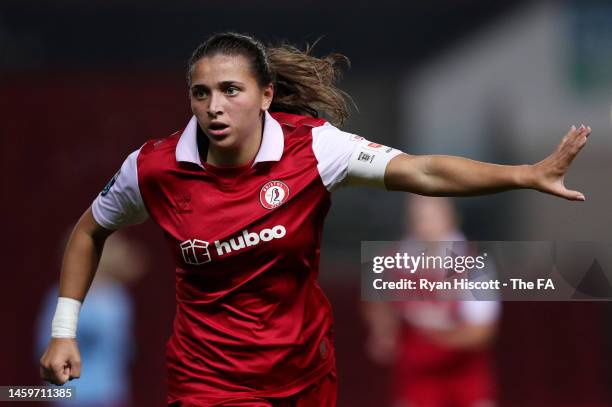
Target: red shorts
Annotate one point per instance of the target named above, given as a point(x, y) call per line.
point(464, 389)
point(322, 393)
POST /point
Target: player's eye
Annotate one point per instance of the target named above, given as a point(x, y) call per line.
point(232, 90)
point(199, 93)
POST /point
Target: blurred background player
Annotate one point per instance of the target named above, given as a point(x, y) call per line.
point(106, 333)
point(440, 350)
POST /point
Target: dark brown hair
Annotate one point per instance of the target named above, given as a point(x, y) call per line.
point(303, 83)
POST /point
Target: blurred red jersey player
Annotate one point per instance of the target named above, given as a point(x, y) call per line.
point(440, 350)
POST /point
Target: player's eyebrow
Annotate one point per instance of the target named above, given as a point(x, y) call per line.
point(221, 84)
point(227, 83)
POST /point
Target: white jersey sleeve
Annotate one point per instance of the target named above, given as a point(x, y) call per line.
point(345, 159)
point(120, 203)
point(479, 312)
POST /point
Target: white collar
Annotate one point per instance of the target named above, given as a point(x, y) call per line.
point(271, 148)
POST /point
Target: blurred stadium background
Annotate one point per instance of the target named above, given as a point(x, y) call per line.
point(82, 84)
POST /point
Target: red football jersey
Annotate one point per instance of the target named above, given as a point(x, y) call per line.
point(250, 317)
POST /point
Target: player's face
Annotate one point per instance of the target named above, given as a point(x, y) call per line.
point(227, 100)
point(431, 218)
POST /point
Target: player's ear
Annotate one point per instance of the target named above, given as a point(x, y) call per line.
point(267, 96)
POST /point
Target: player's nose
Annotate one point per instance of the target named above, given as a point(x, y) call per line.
point(215, 106)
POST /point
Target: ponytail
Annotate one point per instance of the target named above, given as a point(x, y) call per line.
point(305, 84)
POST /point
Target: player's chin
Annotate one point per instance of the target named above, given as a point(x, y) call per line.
point(225, 141)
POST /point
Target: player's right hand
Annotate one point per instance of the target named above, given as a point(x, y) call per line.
point(381, 348)
point(61, 361)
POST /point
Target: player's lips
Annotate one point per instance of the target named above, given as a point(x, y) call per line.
point(218, 128)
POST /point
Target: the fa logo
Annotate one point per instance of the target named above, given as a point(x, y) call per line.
point(273, 194)
point(195, 252)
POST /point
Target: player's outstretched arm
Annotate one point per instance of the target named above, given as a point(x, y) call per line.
point(61, 360)
point(439, 175)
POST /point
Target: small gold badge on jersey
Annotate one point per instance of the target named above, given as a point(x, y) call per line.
point(273, 194)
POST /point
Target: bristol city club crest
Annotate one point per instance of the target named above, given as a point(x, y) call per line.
point(273, 194)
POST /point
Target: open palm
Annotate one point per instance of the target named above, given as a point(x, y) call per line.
point(550, 172)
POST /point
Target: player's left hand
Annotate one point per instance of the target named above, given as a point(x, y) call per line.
point(548, 174)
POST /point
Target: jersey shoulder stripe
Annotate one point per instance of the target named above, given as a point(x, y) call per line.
point(296, 120)
point(160, 146)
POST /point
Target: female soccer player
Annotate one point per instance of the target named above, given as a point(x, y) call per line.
point(439, 350)
point(241, 194)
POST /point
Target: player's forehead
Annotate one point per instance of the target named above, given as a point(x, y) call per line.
point(222, 68)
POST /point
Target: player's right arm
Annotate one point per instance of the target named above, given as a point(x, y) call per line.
point(383, 325)
point(81, 256)
point(119, 204)
point(61, 360)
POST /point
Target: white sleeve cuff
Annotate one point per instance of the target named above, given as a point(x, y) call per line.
point(348, 159)
point(368, 163)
